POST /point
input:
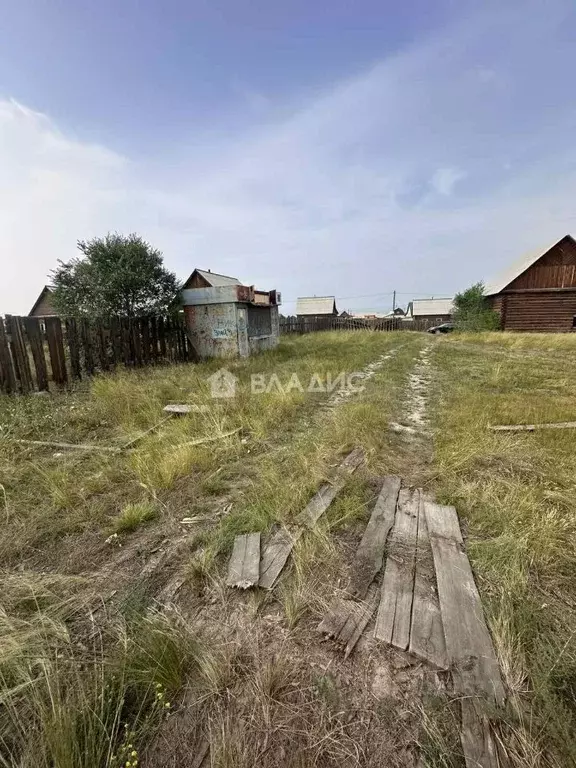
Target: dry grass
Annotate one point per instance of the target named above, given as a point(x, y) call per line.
point(516, 493)
point(84, 682)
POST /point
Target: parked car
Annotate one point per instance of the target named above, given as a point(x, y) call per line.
point(444, 328)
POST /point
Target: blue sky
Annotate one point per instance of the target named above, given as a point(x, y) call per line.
point(347, 149)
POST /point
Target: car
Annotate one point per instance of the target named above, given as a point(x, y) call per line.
point(444, 328)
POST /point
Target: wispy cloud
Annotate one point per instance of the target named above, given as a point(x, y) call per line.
point(423, 174)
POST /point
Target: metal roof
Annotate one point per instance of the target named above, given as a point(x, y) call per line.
point(217, 280)
point(316, 305)
point(432, 307)
point(518, 267)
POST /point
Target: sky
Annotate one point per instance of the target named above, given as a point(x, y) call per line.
point(347, 149)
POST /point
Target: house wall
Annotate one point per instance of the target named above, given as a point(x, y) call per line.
point(537, 311)
point(556, 269)
point(433, 319)
point(45, 307)
point(224, 330)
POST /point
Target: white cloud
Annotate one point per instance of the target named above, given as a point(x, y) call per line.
point(354, 192)
point(444, 179)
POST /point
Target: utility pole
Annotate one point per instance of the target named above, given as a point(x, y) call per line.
point(394, 301)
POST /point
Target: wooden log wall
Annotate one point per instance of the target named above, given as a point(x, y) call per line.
point(37, 354)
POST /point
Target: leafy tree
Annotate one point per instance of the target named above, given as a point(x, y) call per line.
point(117, 275)
point(472, 312)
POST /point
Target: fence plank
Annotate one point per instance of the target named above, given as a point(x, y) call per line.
point(73, 347)
point(7, 373)
point(154, 339)
point(20, 354)
point(35, 338)
point(102, 343)
point(56, 350)
point(116, 340)
point(162, 336)
point(88, 346)
point(135, 340)
point(145, 334)
point(126, 345)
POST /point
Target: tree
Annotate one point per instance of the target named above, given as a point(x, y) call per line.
point(472, 312)
point(117, 275)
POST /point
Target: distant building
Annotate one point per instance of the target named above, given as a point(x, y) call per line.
point(316, 306)
point(43, 306)
point(204, 278)
point(225, 318)
point(431, 310)
point(538, 293)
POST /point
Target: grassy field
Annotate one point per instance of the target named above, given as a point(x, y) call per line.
point(95, 672)
point(87, 664)
point(516, 494)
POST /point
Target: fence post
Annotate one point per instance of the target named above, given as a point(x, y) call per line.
point(7, 373)
point(73, 347)
point(56, 350)
point(20, 354)
point(32, 326)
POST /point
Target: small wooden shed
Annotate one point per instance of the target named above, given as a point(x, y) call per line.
point(316, 306)
point(538, 293)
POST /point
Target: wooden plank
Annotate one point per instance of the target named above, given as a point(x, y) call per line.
point(34, 333)
point(154, 339)
point(7, 373)
point(161, 336)
point(20, 354)
point(244, 566)
point(469, 648)
point(370, 554)
point(275, 555)
point(135, 340)
point(102, 344)
point(87, 346)
point(116, 340)
point(322, 499)
point(426, 631)
point(347, 619)
point(78, 446)
point(56, 350)
point(395, 609)
point(478, 744)
point(145, 335)
point(534, 427)
point(127, 351)
point(73, 347)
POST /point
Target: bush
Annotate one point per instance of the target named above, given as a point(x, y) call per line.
point(472, 312)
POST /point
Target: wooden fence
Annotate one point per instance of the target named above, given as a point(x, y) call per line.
point(311, 324)
point(35, 352)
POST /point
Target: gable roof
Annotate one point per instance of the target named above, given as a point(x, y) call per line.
point(432, 307)
point(316, 305)
point(216, 280)
point(45, 292)
point(518, 267)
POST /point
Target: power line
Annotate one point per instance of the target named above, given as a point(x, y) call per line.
point(437, 294)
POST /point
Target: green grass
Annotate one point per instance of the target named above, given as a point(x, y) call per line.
point(516, 493)
point(133, 515)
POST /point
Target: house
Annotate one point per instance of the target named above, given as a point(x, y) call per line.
point(43, 306)
point(316, 306)
point(204, 278)
point(538, 293)
point(225, 318)
point(433, 311)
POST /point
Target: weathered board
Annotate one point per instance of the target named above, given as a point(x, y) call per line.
point(20, 353)
point(7, 374)
point(322, 499)
point(478, 744)
point(469, 648)
point(34, 334)
point(534, 427)
point(370, 554)
point(395, 609)
point(244, 565)
point(347, 619)
point(275, 555)
point(426, 630)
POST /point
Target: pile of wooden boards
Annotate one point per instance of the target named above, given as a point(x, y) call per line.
point(427, 604)
point(252, 565)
